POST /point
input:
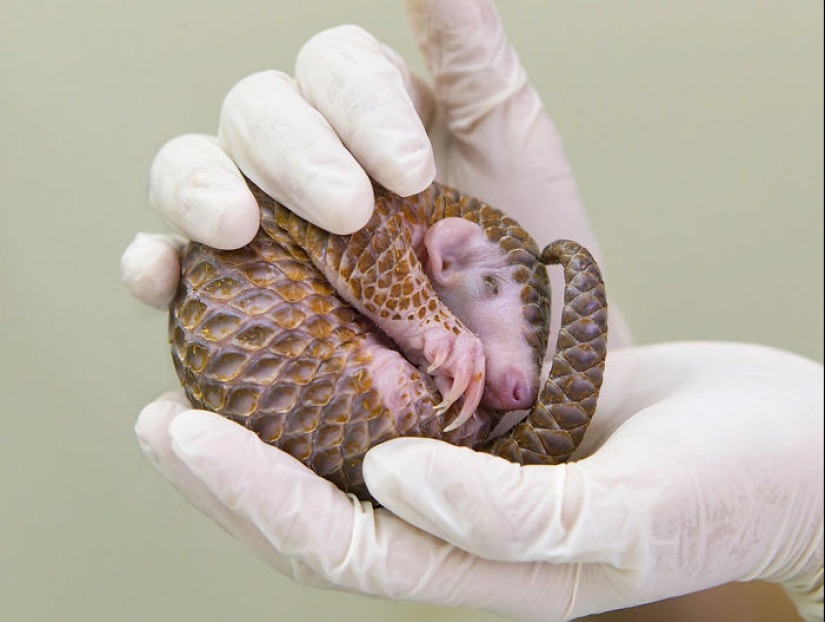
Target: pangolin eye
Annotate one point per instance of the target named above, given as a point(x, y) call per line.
point(490, 284)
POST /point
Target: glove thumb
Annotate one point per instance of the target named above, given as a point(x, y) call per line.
point(594, 511)
point(503, 147)
point(485, 505)
point(473, 67)
point(569, 516)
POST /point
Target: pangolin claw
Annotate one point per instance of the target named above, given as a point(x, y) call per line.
point(472, 398)
point(437, 363)
point(458, 363)
point(463, 417)
point(442, 407)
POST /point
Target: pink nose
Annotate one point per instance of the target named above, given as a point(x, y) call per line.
point(511, 390)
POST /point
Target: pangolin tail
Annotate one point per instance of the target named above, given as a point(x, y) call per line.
point(556, 424)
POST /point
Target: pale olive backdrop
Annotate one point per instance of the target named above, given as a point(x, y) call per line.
point(695, 129)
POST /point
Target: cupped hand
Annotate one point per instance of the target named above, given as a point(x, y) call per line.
point(704, 465)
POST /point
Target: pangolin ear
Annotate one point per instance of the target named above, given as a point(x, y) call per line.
point(450, 243)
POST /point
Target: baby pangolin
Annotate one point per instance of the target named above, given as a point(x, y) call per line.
point(430, 321)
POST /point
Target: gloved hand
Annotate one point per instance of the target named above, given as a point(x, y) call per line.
point(703, 465)
point(311, 142)
point(490, 139)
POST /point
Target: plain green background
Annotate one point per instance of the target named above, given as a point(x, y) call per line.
point(694, 128)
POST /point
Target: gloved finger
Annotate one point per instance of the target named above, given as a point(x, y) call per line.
point(478, 78)
point(510, 153)
point(503, 512)
point(345, 541)
point(473, 67)
point(418, 89)
point(290, 151)
point(152, 430)
point(406, 475)
point(500, 510)
point(150, 268)
point(346, 74)
point(198, 189)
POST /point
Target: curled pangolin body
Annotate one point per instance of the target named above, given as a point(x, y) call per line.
point(269, 336)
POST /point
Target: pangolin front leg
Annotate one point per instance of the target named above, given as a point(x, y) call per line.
point(376, 270)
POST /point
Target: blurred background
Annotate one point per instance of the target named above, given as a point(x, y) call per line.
point(695, 130)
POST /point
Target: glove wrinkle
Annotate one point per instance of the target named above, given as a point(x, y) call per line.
point(473, 66)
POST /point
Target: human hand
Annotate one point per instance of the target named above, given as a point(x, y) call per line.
point(704, 465)
point(200, 189)
point(311, 141)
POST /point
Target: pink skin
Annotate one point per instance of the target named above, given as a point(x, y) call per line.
point(438, 341)
point(472, 277)
point(400, 387)
point(455, 360)
point(482, 355)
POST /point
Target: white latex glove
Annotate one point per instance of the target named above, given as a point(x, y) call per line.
point(354, 109)
point(704, 465)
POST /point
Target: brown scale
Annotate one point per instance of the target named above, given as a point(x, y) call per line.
point(269, 335)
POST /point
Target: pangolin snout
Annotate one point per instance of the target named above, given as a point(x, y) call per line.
point(510, 389)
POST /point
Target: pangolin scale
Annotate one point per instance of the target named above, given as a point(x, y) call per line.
point(282, 336)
